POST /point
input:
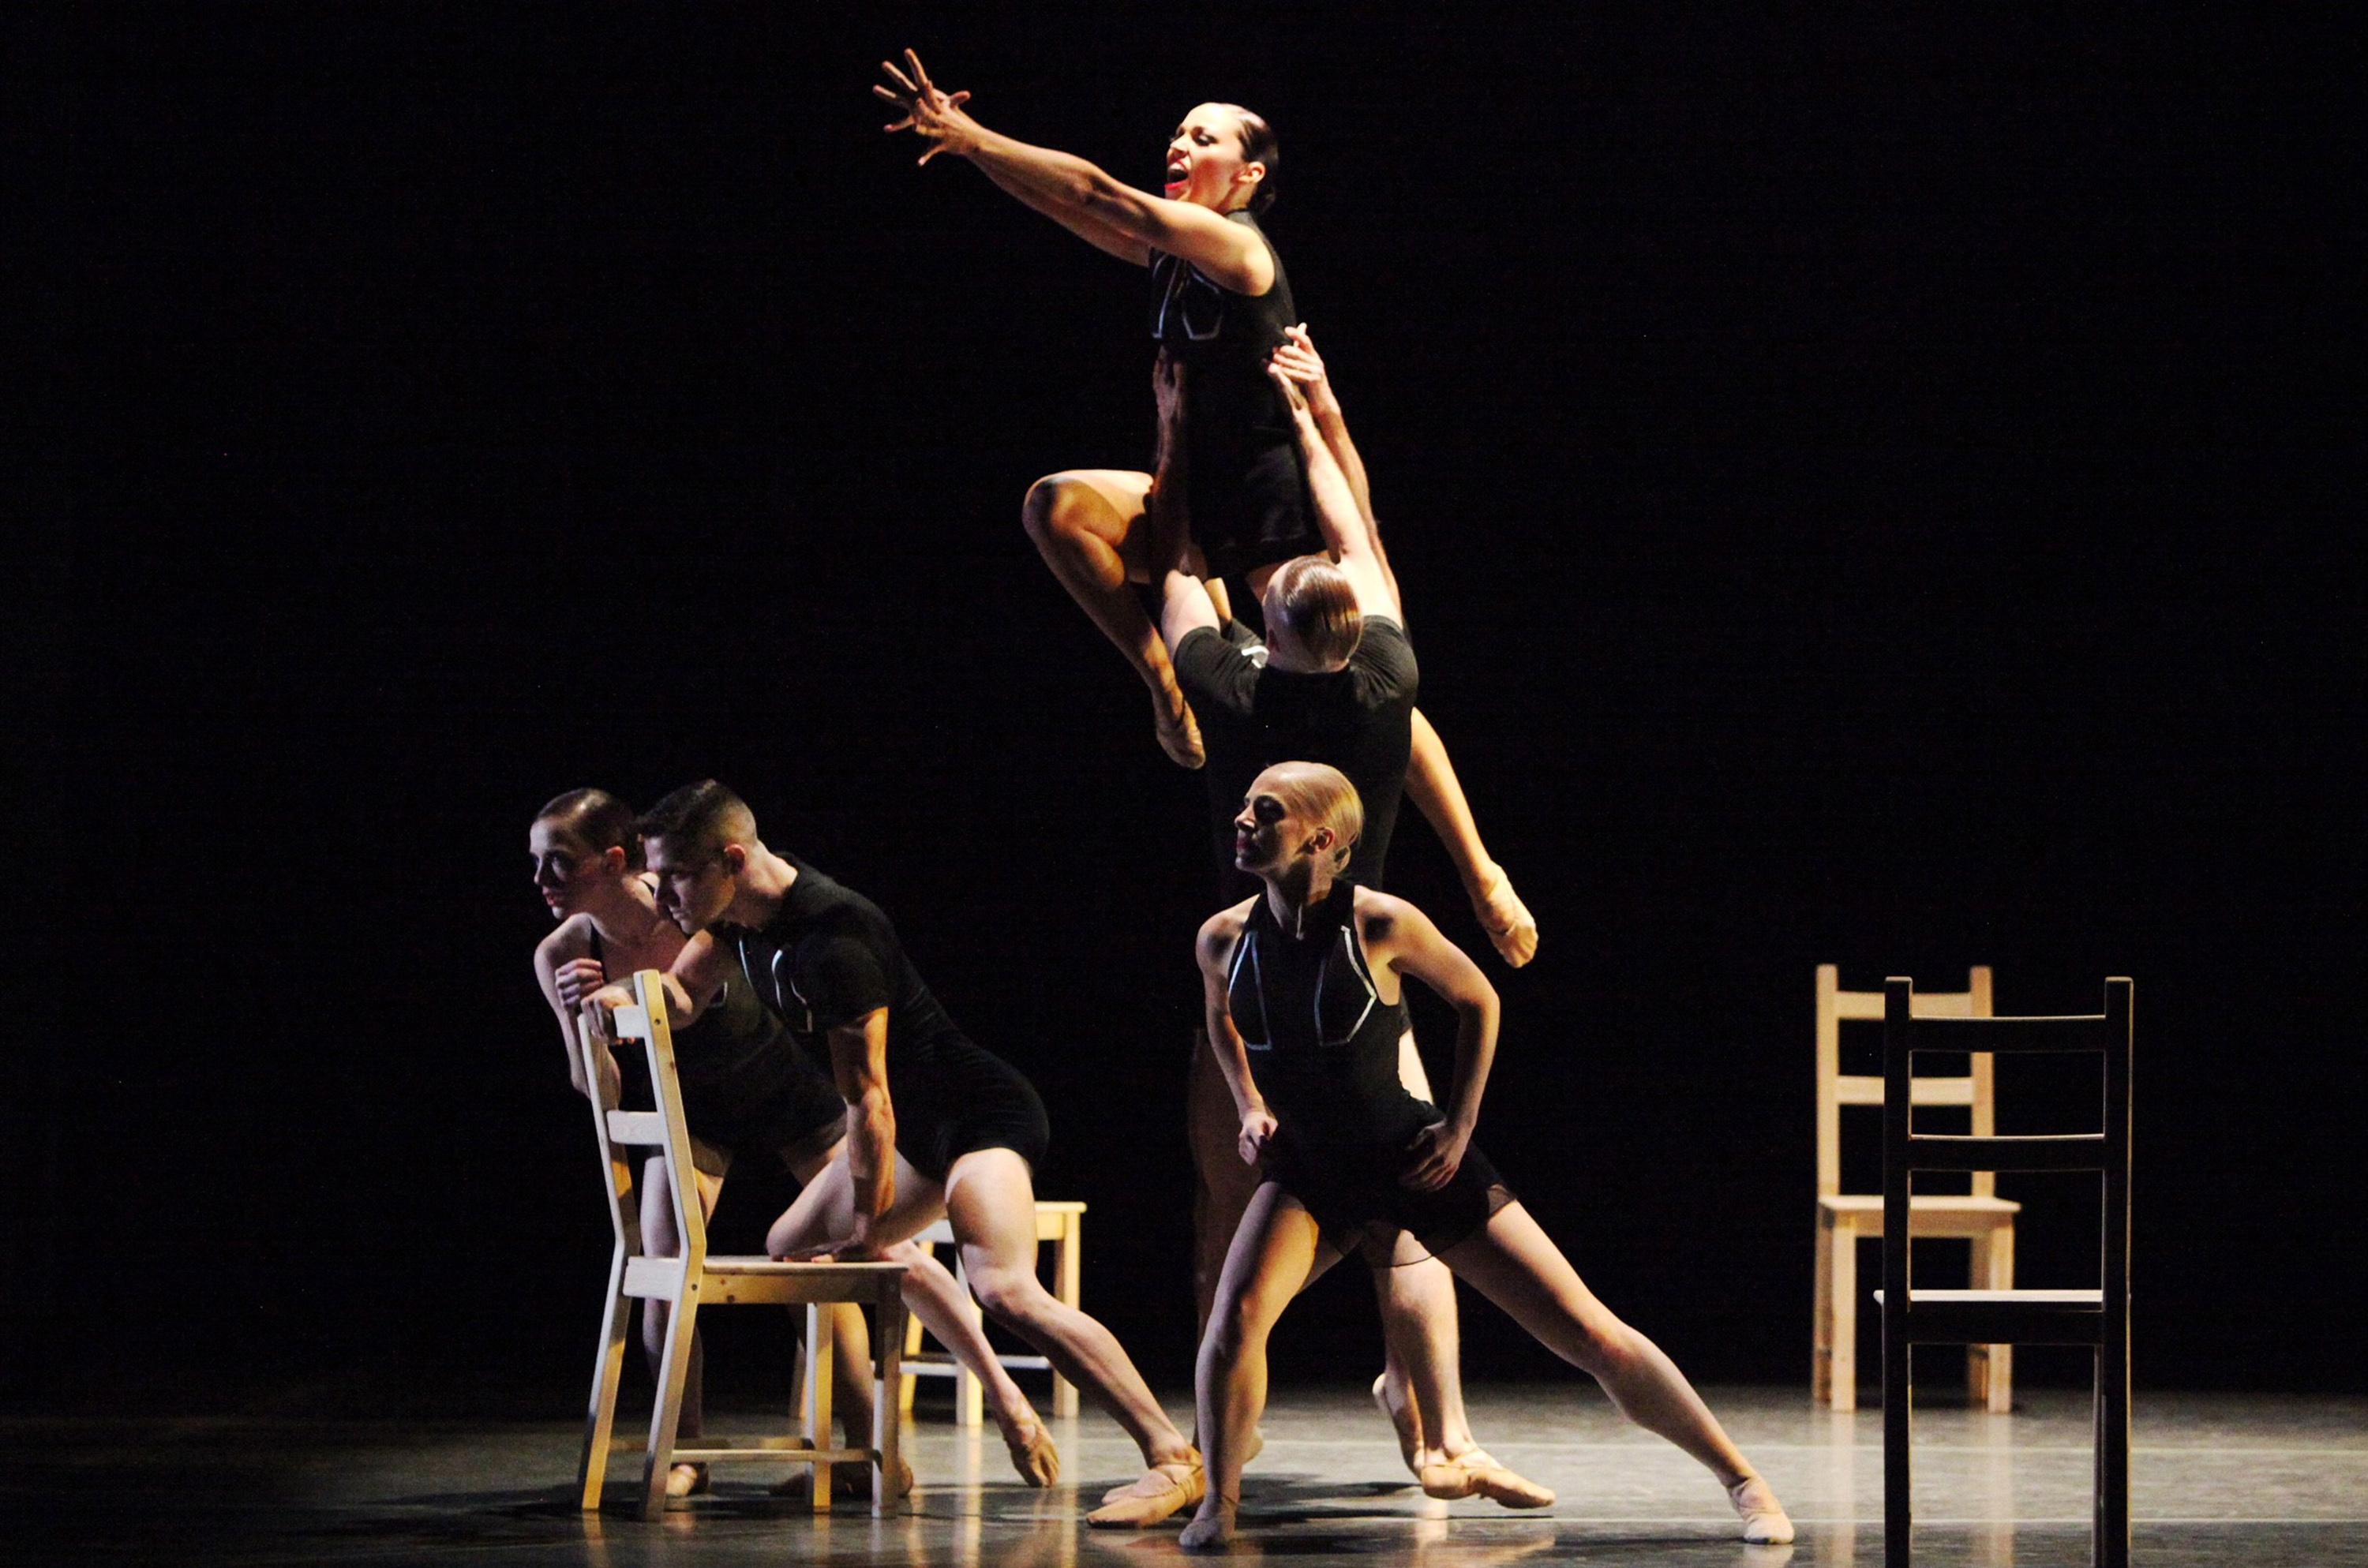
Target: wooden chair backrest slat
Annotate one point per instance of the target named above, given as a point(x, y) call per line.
point(1974, 1089)
point(663, 1129)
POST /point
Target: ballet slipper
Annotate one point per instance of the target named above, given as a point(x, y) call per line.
point(686, 1481)
point(1163, 1490)
point(1474, 1473)
point(1032, 1453)
point(1250, 1450)
point(1408, 1425)
point(1178, 731)
point(1764, 1520)
point(1207, 1532)
point(1510, 927)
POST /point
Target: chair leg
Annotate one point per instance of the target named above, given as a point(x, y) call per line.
point(887, 1418)
point(1993, 1270)
point(1068, 1260)
point(1821, 1315)
point(2111, 1548)
point(665, 1415)
point(1897, 1398)
point(906, 1382)
point(1844, 1267)
point(817, 1404)
point(601, 1421)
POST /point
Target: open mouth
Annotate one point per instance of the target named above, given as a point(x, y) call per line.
point(1178, 177)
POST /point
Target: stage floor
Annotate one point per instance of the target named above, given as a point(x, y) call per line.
point(2218, 1480)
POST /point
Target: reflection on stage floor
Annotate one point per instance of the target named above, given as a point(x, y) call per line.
point(2218, 1480)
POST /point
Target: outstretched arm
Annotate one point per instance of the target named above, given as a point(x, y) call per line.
point(1337, 518)
point(1063, 186)
point(1297, 358)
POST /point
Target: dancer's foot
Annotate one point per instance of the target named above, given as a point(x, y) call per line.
point(1510, 925)
point(1211, 1527)
point(1162, 1490)
point(686, 1481)
point(1473, 1473)
point(1255, 1446)
point(1408, 1422)
point(1764, 1522)
point(1178, 731)
point(1031, 1446)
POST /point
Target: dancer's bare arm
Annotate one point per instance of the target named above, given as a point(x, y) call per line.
point(1215, 952)
point(1297, 358)
point(1346, 537)
point(1055, 183)
point(858, 1063)
point(1402, 938)
point(568, 975)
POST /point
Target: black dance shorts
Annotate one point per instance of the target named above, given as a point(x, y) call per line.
point(1353, 1193)
point(954, 1097)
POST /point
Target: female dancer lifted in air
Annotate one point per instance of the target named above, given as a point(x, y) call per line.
point(1220, 305)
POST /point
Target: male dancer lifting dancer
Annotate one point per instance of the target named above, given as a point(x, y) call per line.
point(1334, 683)
point(957, 1141)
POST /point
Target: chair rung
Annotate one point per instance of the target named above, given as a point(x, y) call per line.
point(2000, 1317)
point(2079, 1032)
point(2061, 1152)
point(776, 1448)
point(933, 1365)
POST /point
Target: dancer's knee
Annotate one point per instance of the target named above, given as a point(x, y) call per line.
point(1236, 1327)
point(1050, 511)
point(1012, 1296)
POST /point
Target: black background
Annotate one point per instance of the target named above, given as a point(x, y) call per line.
point(1867, 487)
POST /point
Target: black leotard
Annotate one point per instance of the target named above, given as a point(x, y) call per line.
point(1245, 484)
point(746, 1086)
point(1323, 1051)
point(829, 957)
point(1359, 719)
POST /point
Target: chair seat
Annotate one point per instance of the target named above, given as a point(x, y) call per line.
point(2004, 1298)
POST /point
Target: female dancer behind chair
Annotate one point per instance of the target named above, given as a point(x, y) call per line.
point(1219, 305)
point(747, 1088)
point(1308, 977)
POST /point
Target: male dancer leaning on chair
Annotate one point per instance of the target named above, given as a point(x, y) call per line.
point(1334, 683)
point(749, 1091)
point(959, 1139)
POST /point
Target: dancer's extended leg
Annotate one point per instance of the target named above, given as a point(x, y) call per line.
point(1089, 526)
point(1438, 793)
point(1517, 1265)
point(991, 1203)
point(1274, 1254)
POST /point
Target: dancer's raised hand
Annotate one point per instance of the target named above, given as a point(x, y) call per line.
point(1296, 357)
point(934, 115)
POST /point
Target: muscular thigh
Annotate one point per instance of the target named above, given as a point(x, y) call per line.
point(1108, 503)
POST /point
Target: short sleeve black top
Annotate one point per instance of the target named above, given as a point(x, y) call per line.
point(1359, 719)
point(829, 957)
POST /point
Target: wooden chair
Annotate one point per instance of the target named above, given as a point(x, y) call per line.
point(1063, 1224)
point(697, 1278)
point(2099, 1318)
point(1980, 1216)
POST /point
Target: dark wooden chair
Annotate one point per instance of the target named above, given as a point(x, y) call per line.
point(2099, 1318)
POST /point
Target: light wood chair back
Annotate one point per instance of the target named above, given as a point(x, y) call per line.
point(1974, 1089)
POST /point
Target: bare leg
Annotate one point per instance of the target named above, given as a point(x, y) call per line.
point(1515, 1265)
point(949, 1313)
point(660, 1237)
point(991, 1202)
point(1089, 525)
point(1274, 1254)
point(1431, 784)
